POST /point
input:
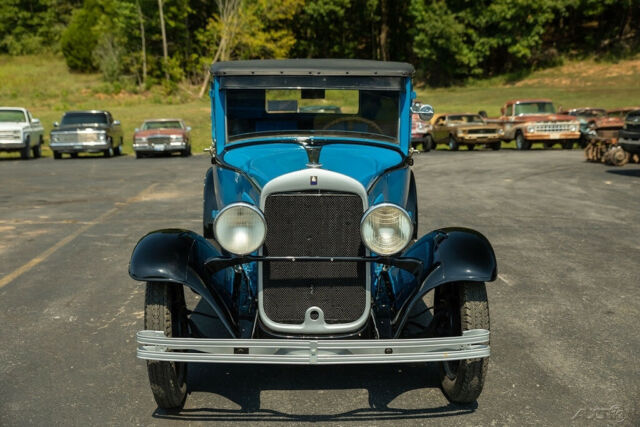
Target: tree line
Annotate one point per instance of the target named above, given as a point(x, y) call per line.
point(147, 42)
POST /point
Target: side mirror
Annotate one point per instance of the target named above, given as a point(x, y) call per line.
point(116, 122)
point(136, 130)
point(56, 124)
point(426, 112)
point(188, 128)
point(502, 111)
point(35, 121)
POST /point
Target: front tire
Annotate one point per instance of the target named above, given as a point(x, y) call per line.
point(496, 146)
point(165, 310)
point(57, 155)
point(428, 144)
point(25, 153)
point(521, 142)
point(463, 306)
point(568, 145)
point(109, 151)
point(453, 144)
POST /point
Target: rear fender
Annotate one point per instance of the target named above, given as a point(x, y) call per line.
point(177, 256)
point(448, 255)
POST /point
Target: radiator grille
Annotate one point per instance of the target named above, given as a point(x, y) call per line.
point(77, 136)
point(159, 139)
point(553, 127)
point(313, 224)
point(482, 131)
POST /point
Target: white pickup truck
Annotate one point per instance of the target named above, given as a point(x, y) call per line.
point(20, 132)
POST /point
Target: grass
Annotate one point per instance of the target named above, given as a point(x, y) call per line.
point(45, 86)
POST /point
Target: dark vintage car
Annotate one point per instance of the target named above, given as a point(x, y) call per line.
point(311, 253)
point(629, 137)
point(595, 123)
point(464, 129)
point(162, 136)
point(86, 132)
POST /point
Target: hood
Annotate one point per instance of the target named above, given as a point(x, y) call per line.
point(13, 125)
point(79, 126)
point(547, 118)
point(264, 162)
point(149, 132)
point(609, 122)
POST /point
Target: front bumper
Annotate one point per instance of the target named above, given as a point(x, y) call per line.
point(552, 136)
point(11, 144)
point(79, 147)
point(160, 148)
point(480, 139)
point(630, 145)
point(153, 345)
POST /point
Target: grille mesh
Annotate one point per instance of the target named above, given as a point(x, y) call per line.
point(159, 139)
point(313, 224)
point(482, 131)
point(553, 127)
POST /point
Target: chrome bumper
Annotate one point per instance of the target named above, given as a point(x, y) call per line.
point(11, 144)
point(153, 345)
point(159, 148)
point(75, 147)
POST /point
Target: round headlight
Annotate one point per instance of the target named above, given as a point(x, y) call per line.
point(531, 129)
point(240, 228)
point(386, 229)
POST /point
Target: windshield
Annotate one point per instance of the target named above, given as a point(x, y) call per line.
point(162, 124)
point(526, 108)
point(82, 118)
point(349, 112)
point(589, 113)
point(12, 116)
point(466, 118)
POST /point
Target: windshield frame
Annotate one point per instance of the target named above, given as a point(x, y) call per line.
point(22, 112)
point(85, 114)
point(179, 122)
point(515, 108)
point(316, 133)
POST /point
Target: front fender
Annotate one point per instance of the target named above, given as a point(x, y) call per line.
point(178, 256)
point(448, 255)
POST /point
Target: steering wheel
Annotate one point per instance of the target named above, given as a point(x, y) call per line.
point(370, 123)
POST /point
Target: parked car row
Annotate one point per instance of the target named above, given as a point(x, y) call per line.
point(524, 120)
point(92, 131)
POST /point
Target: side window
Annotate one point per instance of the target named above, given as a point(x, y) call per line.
point(510, 110)
point(109, 118)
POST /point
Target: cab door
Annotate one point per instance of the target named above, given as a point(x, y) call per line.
point(440, 132)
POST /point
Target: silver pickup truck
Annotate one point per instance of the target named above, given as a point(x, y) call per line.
point(20, 132)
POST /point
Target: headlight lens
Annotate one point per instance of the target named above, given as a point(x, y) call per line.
point(531, 129)
point(500, 131)
point(102, 136)
point(176, 138)
point(573, 128)
point(240, 228)
point(386, 229)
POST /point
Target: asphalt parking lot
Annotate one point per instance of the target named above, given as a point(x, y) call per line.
point(564, 310)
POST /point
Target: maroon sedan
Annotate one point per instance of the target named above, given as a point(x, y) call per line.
point(162, 136)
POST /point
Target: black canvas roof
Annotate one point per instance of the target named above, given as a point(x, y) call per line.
point(305, 67)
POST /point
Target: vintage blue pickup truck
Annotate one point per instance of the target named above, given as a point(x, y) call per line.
point(310, 252)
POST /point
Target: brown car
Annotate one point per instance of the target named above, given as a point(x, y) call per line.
point(536, 120)
point(162, 136)
point(468, 129)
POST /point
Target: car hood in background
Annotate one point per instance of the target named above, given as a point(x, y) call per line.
point(264, 162)
point(13, 125)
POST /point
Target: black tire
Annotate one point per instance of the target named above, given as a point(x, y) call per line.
point(186, 152)
point(74, 155)
point(521, 142)
point(428, 144)
point(57, 155)
point(109, 151)
point(37, 150)
point(496, 146)
point(139, 155)
point(25, 153)
point(466, 307)
point(548, 145)
point(470, 147)
point(567, 145)
point(165, 310)
point(208, 205)
point(453, 144)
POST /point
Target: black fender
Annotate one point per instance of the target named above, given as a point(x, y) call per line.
point(448, 255)
point(177, 256)
point(208, 204)
point(412, 205)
